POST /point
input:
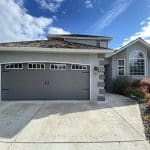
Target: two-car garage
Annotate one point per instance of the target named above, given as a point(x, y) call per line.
point(61, 67)
point(45, 81)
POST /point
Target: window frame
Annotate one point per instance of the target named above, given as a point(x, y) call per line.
point(79, 67)
point(57, 67)
point(134, 58)
point(101, 43)
point(14, 66)
point(36, 66)
point(137, 66)
point(121, 66)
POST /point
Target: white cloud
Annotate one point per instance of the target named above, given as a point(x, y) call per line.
point(88, 4)
point(143, 33)
point(18, 25)
point(51, 5)
point(118, 7)
point(55, 30)
point(143, 22)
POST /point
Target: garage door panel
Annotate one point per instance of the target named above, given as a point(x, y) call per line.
point(45, 84)
point(71, 95)
point(72, 85)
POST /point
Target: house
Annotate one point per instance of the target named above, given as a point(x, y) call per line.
point(132, 60)
point(68, 67)
point(64, 67)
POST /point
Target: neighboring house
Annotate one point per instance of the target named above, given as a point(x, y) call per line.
point(64, 67)
point(132, 60)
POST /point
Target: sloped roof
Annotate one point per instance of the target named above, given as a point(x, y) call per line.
point(52, 43)
point(138, 40)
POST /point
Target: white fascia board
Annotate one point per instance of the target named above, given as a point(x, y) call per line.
point(83, 38)
point(88, 38)
point(54, 50)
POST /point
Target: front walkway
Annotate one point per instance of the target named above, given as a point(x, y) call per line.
point(114, 124)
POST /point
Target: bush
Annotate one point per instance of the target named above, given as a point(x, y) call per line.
point(147, 117)
point(143, 85)
point(135, 92)
point(147, 96)
point(120, 84)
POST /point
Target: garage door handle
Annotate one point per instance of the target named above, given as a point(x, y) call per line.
point(46, 82)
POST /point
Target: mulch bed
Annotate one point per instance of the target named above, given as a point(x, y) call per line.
point(146, 122)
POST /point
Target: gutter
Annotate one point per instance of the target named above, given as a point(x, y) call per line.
point(55, 50)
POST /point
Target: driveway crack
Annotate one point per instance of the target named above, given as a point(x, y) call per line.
point(69, 142)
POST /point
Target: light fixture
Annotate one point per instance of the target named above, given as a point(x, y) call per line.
point(99, 69)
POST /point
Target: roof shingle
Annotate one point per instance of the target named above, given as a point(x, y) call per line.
point(53, 43)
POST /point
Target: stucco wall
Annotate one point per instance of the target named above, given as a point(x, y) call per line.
point(88, 59)
point(125, 55)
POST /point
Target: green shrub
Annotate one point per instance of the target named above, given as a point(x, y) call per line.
point(147, 117)
point(120, 84)
point(135, 92)
point(147, 96)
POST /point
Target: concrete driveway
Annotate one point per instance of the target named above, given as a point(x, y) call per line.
point(114, 124)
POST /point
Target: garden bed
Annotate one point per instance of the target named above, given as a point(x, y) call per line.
point(145, 112)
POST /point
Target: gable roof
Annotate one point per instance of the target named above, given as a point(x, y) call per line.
point(138, 40)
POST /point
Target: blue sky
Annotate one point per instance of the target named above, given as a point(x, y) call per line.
point(124, 20)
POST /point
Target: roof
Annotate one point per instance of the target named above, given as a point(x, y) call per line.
point(52, 43)
point(53, 46)
point(79, 36)
point(138, 40)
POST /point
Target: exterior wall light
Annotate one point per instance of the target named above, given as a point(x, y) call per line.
point(99, 69)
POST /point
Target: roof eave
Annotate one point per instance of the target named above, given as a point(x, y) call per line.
point(54, 50)
point(76, 37)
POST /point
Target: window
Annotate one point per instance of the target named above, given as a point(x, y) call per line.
point(36, 66)
point(121, 67)
point(136, 63)
point(14, 66)
point(78, 67)
point(58, 66)
point(102, 44)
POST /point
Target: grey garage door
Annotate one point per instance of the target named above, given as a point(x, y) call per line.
point(45, 81)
